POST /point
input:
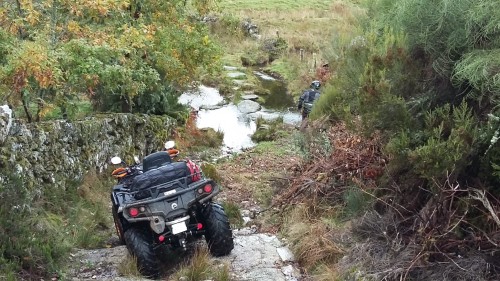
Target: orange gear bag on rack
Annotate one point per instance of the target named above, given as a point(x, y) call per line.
point(119, 172)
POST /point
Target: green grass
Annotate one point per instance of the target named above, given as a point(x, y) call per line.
point(235, 5)
point(304, 24)
point(233, 213)
point(201, 267)
point(128, 267)
point(266, 147)
point(38, 228)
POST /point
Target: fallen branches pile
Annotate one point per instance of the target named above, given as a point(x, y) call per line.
point(353, 159)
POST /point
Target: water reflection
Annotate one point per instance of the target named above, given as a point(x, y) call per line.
point(237, 129)
point(278, 97)
point(205, 96)
point(236, 126)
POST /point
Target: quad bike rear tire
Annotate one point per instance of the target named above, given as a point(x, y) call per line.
point(118, 226)
point(218, 233)
point(141, 247)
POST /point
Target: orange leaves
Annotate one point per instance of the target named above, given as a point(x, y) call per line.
point(33, 60)
point(19, 80)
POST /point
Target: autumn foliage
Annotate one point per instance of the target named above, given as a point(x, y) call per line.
point(121, 55)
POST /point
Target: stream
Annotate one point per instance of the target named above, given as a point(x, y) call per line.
point(238, 125)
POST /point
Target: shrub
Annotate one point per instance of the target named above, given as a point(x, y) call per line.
point(39, 227)
point(30, 237)
point(371, 83)
point(356, 201)
point(268, 130)
point(450, 144)
point(210, 171)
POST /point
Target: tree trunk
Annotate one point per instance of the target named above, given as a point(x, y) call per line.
point(41, 93)
point(26, 109)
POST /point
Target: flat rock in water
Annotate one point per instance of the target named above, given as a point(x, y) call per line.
point(248, 106)
point(264, 76)
point(236, 74)
point(250, 97)
point(210, 107)
point(230, 68)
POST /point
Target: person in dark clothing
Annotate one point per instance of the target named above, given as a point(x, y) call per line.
point(308, 98)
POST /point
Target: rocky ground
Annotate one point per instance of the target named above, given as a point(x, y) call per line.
point(256, 256)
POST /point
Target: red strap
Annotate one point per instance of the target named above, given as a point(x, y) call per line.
point(194, 170)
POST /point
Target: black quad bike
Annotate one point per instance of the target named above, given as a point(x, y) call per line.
point(166, 203)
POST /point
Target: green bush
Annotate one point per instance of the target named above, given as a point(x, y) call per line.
point(233, 213)
point(268, 130)
point(373, 79)
point(210, 171)
point(38, 228)
point(29, 237)
point(450, 145)
point(356, 201)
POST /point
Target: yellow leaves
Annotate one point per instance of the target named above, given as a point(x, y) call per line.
point(73, 27)
point(175, 54)
point(206, 41)
point(46, 109)
point(137, 37)
point(32, 16)
point(150, 31)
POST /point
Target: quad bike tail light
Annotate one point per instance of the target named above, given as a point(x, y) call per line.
point(134, 212)
point(207, 188)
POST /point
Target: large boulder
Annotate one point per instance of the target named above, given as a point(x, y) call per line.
point(248, 106)
point(250, 29)
point(5, 122)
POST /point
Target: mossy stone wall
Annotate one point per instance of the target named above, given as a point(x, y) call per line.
point(59, 151)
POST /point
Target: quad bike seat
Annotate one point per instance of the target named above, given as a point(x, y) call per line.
point(156, 160)
point(163, 174)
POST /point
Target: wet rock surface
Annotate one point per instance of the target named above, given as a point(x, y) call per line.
point(248, 106)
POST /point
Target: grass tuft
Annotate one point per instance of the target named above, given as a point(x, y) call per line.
point(233, 212)
point(201, 267)
point(268, 130)
point(128, 267)
point(310, 237)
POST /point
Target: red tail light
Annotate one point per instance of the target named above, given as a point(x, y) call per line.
point(207, 188)
point(199, 226)
point(134, 212)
